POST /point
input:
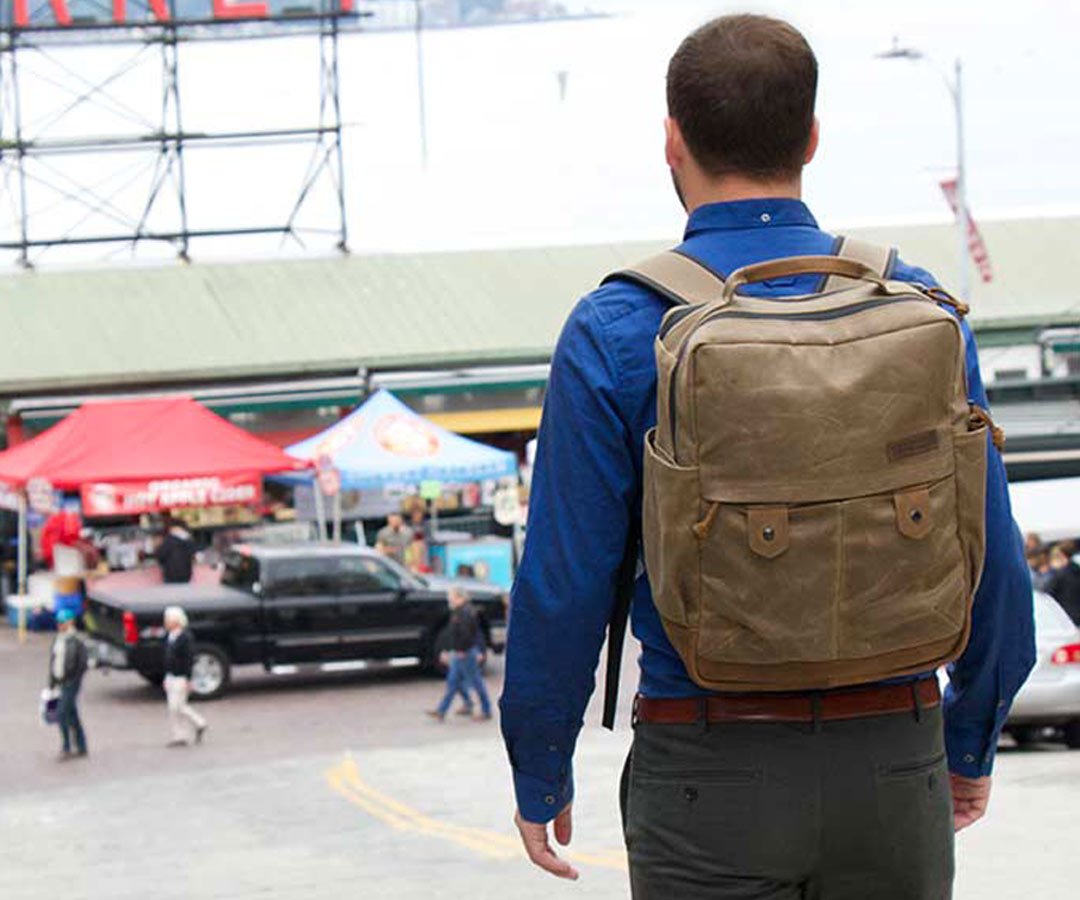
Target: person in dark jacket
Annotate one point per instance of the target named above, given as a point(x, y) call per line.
point(464, 671)
point(179, 657)
point(1064, 582)
point(68, 662)
point(176, 553)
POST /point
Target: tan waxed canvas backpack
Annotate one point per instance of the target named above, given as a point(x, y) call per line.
point(815, 485)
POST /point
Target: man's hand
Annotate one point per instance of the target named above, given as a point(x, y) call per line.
point(970, 798)
point(535, 838)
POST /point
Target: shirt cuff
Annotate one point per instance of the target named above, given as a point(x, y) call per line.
point(540, 800)
point(971, 752)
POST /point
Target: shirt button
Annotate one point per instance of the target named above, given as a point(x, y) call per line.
point(766, 218)
point(553, 748)
point(550, 799)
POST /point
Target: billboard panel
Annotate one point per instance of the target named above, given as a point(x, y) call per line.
point(75, 14)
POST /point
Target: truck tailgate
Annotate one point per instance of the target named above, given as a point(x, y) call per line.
point(104, 620)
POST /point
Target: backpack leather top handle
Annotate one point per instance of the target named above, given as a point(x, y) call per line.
point(799, 265)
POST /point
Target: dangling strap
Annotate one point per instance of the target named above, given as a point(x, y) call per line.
point(620, 615)
point(881, 259)
point(678, 278)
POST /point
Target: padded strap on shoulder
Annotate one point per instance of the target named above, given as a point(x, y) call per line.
point(680, 279)
point(879, 258)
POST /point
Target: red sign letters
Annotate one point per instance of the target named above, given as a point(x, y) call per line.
point(218, 10)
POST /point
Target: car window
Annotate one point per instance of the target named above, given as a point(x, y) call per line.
point(241, 571)
point(361, 574)
point(304, 577)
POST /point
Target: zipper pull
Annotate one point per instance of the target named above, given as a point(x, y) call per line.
point(978, 417)
point(940, 295)
point(702, 528)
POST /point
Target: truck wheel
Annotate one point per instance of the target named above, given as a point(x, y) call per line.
point(1072, 735)
point(157, 679)
point(1025, 735)
point(209, 672)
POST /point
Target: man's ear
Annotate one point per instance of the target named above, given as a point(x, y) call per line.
point(812, 144)
point(674, 145)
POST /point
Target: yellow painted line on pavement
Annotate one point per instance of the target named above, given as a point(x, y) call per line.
point(345, 779)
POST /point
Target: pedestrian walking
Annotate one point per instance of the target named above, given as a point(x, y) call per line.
point(813, 531)
point(185, 723)
point(463, 674)
point(68, 661)
point(478, 654)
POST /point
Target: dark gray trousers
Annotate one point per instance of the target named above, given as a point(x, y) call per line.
point(848, 810)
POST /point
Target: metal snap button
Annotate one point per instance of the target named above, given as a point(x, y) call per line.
point(766, 218)
point(550, 799)
point(769, 533)
point(690, 794)
point(916, 515)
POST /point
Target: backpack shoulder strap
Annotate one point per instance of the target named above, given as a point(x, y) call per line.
point(678, 278)
point(879, 258)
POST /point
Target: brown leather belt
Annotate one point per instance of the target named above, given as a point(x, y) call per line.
point(820, 706)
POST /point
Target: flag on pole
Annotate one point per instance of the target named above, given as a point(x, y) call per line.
point(976, 244)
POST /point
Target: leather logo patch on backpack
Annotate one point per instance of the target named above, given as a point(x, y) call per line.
point(913, 445)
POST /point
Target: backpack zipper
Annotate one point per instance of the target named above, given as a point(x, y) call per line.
point(814, 316)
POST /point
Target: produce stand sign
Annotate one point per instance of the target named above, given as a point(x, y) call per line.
point(124, 498)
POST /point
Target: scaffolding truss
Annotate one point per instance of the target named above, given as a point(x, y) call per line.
point(55, 190)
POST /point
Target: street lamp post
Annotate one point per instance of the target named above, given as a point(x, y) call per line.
point(955, 86)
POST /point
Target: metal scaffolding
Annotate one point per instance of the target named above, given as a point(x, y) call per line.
point(149, 200)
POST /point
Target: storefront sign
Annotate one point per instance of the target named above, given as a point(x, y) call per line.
point(329, 481)
point(9, 497)
point(507, 506)
point(133, 497)
point(41, 496)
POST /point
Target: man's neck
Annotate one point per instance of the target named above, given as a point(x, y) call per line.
point(731, 188)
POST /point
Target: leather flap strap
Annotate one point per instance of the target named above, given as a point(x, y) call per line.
point(678, 278)
point(913, 512)
point(767, 530)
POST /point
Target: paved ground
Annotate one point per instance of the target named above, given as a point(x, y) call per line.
point(318, 788)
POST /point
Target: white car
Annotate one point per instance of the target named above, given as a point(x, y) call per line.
point(1048, 704)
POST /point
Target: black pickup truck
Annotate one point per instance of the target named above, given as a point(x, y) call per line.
point(281, 606)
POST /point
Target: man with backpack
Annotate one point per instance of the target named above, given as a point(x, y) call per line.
point(817, 493)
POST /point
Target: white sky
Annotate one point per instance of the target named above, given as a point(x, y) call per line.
point(510, 163)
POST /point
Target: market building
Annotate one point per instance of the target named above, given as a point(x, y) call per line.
point(284, 348)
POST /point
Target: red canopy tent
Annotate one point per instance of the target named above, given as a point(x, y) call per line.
point(133, 456)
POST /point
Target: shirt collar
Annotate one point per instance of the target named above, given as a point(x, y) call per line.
point(768, 212)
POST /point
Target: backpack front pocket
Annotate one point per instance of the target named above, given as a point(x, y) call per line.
point(672, 507)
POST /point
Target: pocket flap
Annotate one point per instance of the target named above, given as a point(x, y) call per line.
point(913, 512)
point(767, 530)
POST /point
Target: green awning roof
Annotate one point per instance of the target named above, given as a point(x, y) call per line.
point(179, 324)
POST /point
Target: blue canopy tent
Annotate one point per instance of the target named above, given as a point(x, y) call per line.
point(383, 442)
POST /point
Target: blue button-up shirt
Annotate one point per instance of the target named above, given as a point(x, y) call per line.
point(586, 491)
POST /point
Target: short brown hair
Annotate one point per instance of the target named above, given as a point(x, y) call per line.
point(742, 89)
